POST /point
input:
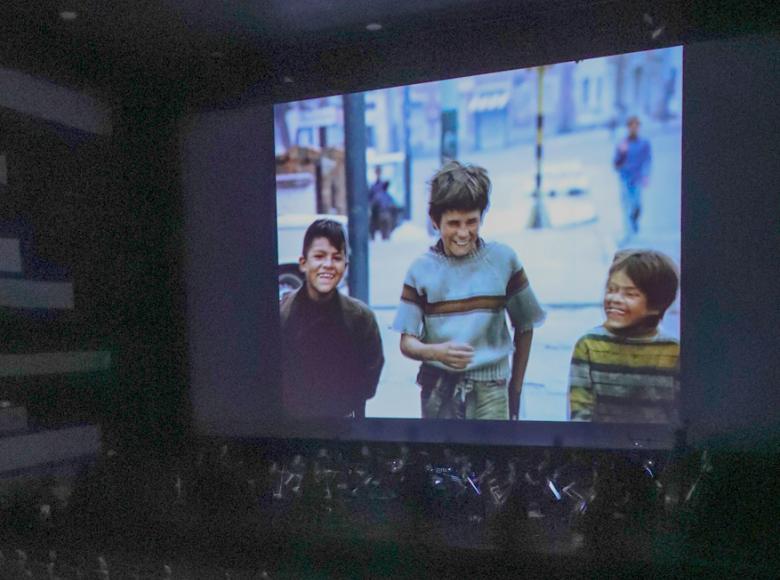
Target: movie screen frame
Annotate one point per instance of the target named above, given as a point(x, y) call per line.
point(584, 160)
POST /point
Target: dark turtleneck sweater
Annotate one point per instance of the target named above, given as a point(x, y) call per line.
point(332, 355)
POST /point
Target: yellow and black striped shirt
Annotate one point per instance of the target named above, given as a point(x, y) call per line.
point(624, 379)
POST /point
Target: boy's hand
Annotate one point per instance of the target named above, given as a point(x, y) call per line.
point(457, 355)
point(514, 404)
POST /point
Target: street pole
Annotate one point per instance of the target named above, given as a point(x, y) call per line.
point(322, 140)
point(449, 121)
point(357, 193)
point(539, 218)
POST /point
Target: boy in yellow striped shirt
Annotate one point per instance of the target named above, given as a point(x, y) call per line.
point(625, 370)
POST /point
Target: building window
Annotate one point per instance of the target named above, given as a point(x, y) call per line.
point(599, 92)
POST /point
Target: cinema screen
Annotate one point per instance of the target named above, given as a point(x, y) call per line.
point(560, 303)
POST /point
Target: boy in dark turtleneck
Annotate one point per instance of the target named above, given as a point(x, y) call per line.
point(332, 350)
point(625, 370)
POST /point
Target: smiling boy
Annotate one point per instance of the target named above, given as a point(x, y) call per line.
point(331, 347)
point(626, 370)
point(454, 303)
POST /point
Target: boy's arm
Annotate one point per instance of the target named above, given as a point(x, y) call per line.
point(525, 312)
point(519, 365)
point(374, 358)
point(453, 354)
point(620, 154)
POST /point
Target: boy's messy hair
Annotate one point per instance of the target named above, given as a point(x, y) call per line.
point(653, 272)
point(458, 187)
point(329, 229)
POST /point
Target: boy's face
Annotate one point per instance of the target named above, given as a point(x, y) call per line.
point(459, 231)
point(324, 266)
point(624, 304)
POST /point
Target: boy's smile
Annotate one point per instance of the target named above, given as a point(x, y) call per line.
point(459, 231)
point(624, 304)
point(324, 266)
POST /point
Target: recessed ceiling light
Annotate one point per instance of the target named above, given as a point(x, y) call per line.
point(373, 27)
point(287, 79)
point(69, 15)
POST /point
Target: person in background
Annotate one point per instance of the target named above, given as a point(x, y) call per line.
point(331, 348)
point(626, 370)
point(454, 303)
point(632, 161)
point(383, 208)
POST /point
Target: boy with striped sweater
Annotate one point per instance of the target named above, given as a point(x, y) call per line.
point(625, 370)
point(454, 306)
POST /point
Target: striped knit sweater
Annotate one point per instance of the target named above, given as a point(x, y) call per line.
point(623, 379)
point(466, 299)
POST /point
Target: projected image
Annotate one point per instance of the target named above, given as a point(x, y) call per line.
point(511, 250)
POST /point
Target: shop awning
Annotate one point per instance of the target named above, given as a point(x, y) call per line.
point(492, 101)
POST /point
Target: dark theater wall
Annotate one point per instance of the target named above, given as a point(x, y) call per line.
point(731, 235)
point(233, 324)
point(149, 324)
point(101, 211)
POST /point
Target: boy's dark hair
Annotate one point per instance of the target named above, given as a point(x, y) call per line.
point(329, 229)
point(458, 187)
point(654, 273)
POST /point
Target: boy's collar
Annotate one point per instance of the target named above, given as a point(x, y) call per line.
point(303, 297)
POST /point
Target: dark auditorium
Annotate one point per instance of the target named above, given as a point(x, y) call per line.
point(389, 289)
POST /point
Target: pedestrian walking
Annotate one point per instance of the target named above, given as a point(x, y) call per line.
point(632, 161)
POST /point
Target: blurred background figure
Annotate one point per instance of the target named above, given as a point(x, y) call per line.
point(383, 208)
point(333, 188)
point(632, 161)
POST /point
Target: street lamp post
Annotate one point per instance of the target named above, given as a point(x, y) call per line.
point(407, 113)
point(539, 218)
point(357, 193)
point(449, 121)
